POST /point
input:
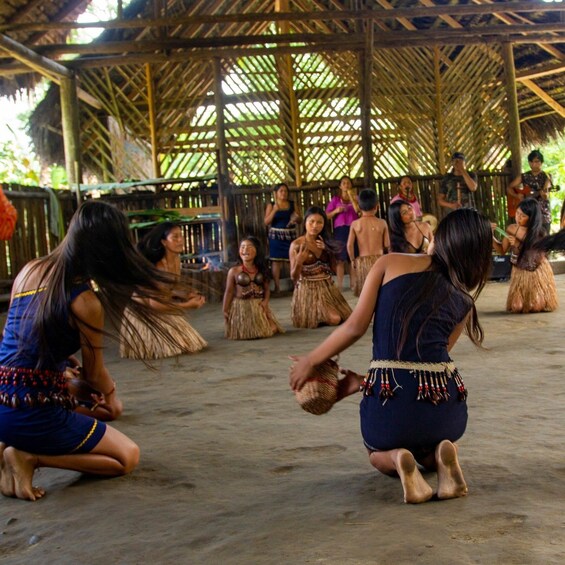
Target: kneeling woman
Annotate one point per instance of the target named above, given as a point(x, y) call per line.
point(413, 406)
point(246, 300)
point(316, 300)
point(58, 306)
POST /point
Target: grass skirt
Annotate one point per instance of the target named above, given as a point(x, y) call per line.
point(362, 267)
point(144, 345)
point(313, 300)
point(532, 291)
point(248, 320)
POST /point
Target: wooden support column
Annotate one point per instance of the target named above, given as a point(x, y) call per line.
point(71, 133)
point(152, 121)
point(365, 92)
point(229, 233)
point(438, 112)
point(288, 104)
point(514, 137)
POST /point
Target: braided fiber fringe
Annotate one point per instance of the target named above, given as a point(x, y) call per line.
point(432, 380)
point(313, 300)
point(532, 291)
point(143, 345)
point(319, 393)
point(362, 267)
point(247, 320)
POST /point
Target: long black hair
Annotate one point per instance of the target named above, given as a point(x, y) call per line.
point(463, 256)
point(398, 241)
point(528, 254)
point(97, 251)
point(151, 244)
point(333, 246)
point(260, 260)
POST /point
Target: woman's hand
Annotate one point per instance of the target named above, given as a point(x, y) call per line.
point(320, 243)
point(300, 371)
point(195, 301)
point(302, 253)
point(349, 384)
point(265, 305)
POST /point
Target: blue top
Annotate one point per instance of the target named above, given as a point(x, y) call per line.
point(437, 320)
point(281, 218)
point(20, 347)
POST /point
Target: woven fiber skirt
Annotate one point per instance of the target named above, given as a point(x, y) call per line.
point(532, 291)
point(362, 267)
point(248, 320)
point(146, 346)
point(313, 301)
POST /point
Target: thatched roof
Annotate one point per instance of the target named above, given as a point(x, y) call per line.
point(190, 33)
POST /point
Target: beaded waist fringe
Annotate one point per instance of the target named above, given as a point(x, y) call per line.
point(52, 385)
point(283, 234)
point(432, 379)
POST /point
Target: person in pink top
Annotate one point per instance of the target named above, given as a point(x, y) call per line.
point(406, 194)
point(343, 210)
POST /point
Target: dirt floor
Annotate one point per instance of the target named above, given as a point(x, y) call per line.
point(233, 471)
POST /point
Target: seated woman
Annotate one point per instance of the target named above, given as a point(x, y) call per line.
point(532, 283)
point(163, 246)
point(59, 305)
point(315, 300)
point(407, 235)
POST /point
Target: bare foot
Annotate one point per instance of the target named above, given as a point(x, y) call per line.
point(6, 482)
point(416, 489)
point(18, 472)
point(451, 483)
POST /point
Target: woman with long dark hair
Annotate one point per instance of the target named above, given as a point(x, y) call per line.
point(247, 312)
point(532, 284)
point(406, 234)
point(163, 246)
point(413, 407)
point(315, 300)
point(59, 305)
point(281, 217)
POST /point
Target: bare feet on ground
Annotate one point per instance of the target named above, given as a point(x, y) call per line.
point(6, 482)
point(17, 475)
point(416, 489)
point(451, 483)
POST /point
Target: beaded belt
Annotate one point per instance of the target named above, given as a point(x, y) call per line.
point(432, 379)
point(283, 234)
point(53, 384)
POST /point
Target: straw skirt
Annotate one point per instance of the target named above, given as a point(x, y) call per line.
point(362, 267)
point(248, 320)
point(143, 344)
point(532, 291)
point(314, 299)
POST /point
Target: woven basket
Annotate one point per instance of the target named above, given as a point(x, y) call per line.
point(319, 393)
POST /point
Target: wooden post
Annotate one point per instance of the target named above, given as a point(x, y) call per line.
point(365, 92)
point(439, 117)
point(288, 102)
point(228, 227)
point(71, 135)
point(514, 136)
point(152, 121)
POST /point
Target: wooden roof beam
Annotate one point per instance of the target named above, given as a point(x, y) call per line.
point(405, 22)
point(551, 102)
point(436, 11)
point(44, 66)
point(538, 72)
point(449, 20)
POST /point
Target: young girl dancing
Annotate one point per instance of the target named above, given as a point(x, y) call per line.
point(315, 300)
point(246, 300)
point(163, 246)
point(532, 284)
point(413, 406)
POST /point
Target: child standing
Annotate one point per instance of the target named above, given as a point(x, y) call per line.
point(246, 300)
point(371, 235)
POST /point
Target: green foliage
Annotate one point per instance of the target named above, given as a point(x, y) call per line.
point(16, 166)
